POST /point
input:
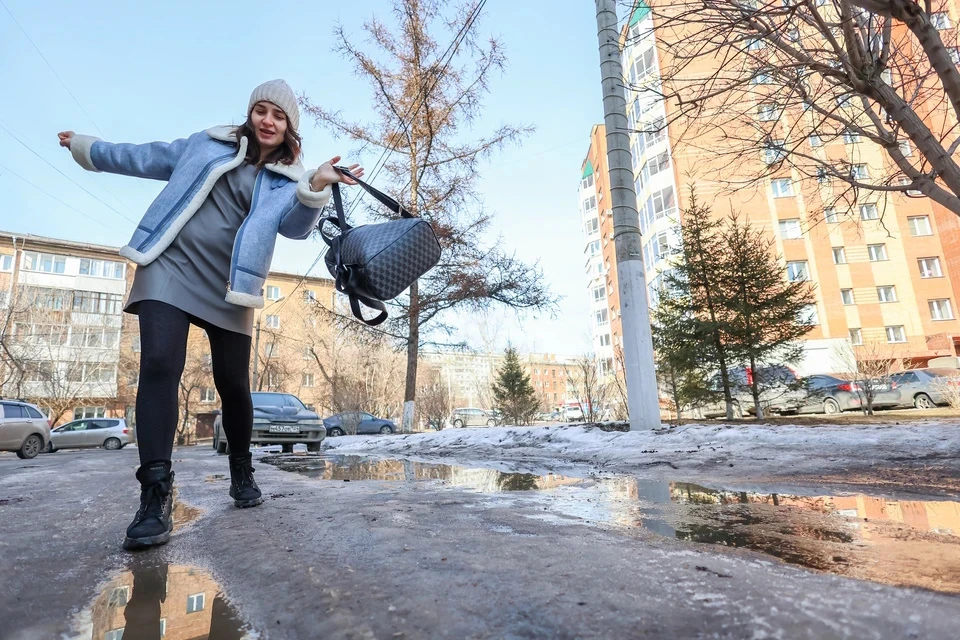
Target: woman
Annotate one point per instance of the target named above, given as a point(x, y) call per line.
point(203, 250)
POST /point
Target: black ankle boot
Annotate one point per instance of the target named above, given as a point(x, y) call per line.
point(154, 520)
point(243, 488)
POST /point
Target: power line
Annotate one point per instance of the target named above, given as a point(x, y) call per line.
point(69, 206)
point(55, 168)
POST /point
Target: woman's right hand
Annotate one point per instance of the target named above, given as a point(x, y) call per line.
point(66, 137)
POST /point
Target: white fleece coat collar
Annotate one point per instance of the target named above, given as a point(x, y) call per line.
point(227, 133)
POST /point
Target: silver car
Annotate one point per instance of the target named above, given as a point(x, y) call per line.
point(23, 428)
point(109, 433)
point(923, 388)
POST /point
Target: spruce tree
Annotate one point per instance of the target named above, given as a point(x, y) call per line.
point(513, 392)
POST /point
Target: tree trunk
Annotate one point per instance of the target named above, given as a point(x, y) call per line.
point(413, 354)
point(755, 388)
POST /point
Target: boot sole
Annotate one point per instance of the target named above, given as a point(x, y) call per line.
point(135, 544)
point(246, 504)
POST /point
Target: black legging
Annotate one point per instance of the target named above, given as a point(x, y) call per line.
point(163, 353)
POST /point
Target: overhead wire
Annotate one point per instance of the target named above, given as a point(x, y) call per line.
point(44, 191)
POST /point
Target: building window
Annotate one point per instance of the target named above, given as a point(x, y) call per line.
point(272, 350)
point(919, 226)
point(103, 269)
point(95, 302)
point(587, 182)
point(839, 255)
point(774, 151)
point(755, 44)
point(809, 315)
point(195, 603)
point(940, 309)
point(655, 165)
point(856, 336)
point(135, 343)
point(797, 271)
point(930, 268)
point(590, 204)
point(592, 226)
point(877, 252)
point(895, 333)
point(82, 413)
point(823, 176)
point(208, 394)
point(601, 317)
point(273, 292)
point(762, 76)
point(119, 597)
point(887, 293)
point(604, 342)
point(163, 627)
point(273, 322)
point(43, 262)
point(851, 137)
point(6, 262)
point(768, 112)
point(309, 295)
point(114, 634)
point(905, 148)
point(940, 21)
point(846, 295)
point(859, 172)
point(307, 379)
point(782, 187)
point(830, 215)
point(869, 212)
point(790, 229)
point(816, 141)
point(593, 248)
point(307, 353)
point(599, 293)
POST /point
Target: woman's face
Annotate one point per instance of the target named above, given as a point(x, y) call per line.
point(269, 124)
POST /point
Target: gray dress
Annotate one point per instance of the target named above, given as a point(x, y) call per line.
point(191, 274)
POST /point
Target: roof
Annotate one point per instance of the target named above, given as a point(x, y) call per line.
point(588, 170)
point(639, 13)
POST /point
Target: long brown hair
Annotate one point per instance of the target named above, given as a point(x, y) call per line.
point(287, 153)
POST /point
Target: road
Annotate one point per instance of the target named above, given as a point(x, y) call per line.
point(401, 557)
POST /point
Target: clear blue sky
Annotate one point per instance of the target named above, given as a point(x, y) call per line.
point(162, 70)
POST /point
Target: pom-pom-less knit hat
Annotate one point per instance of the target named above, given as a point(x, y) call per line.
point(279, 93)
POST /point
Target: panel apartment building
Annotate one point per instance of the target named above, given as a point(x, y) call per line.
point(66, 344)
point(882, 282)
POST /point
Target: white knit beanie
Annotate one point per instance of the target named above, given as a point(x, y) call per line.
point(279, 93)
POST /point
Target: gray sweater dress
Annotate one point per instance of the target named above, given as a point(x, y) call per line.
point(191, 274)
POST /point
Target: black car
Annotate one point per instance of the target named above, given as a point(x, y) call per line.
point(278, 418)
point(357, 422)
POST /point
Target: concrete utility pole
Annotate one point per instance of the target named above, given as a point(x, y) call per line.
point(643, 399)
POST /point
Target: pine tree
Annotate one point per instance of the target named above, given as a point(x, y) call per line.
point(513, 392)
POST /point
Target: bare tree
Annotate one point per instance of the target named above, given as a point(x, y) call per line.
point(426, 100)
point(434, 400)
point(765, 84)
point(590, 386)
point(869, 368)
point(197, 375)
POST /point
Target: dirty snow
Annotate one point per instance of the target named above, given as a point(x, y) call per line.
point(728, 450)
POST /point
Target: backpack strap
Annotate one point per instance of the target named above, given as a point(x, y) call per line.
point(381, 197)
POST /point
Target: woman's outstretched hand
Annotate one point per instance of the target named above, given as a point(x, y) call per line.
point(66, 137)
point(326, 174)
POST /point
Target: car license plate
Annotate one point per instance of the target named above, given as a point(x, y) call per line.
point(284, 428)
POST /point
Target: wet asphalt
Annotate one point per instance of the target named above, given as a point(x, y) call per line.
point(353, 548)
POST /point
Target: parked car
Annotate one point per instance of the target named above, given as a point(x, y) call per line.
point(923, 388)
point(572, 413)
point(23, 429)
point(278, 418)
point(469, 417)
point(357, 422)
point(830, 394)
point(781, 391)
point(549, 416)
point(109, 433)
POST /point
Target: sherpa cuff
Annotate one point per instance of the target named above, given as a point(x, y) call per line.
point(309, 197)
point(80, 147)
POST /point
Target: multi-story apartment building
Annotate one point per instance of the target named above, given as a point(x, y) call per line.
point(884, 282)
point(66, 344)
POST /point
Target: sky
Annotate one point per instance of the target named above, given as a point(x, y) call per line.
point(137, 72)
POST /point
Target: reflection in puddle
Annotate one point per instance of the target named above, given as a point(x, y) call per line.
point(901, 542)
point(158, 600)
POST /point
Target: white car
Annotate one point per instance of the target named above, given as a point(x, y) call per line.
point(109, 433)
point(573, 413)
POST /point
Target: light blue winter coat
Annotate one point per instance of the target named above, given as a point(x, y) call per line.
point(282, 201)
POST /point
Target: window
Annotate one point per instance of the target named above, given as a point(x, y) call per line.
point(659, 205)
point(851, 137)
point(809, 315)
point(887, 293)
point(587, 182)
point(869, 212)
point(656, 164)
point(272, 350)
point(654, 132)
point(895, 333)
point(774, 151)
point(762, 76)
point(208, 394)
point(919, 226)
point(163, 627)
point(273, 292)
point(905, 148)
point(592, 226)
point(845, 101)
point(846, 295)
point(95, 302)
point(82, 413)
point(307, 353)
point(954, 53)
point(823, 176)
point(593, 248)
point(601, 317)
point(816, 141)
point(839, 255)
point(856, 336)
point(135, 343)
point(309, 295)
point(940, 309)
point(755, 44)
point(604, 342)
point(307, 379)
point(940, 21)
point(590, 204)
point(797, 271)
point(114, 634)
point(6, 263)
point(790, 229)
point(782, 187)
point(102, 269)
point(768, 112)
point(877, 252)
point(119, 597)
point(273, 322)
point(643, 66)
point(930, 268)
point(44, 262)
point(830, 215)
point(195, 603)
point(859, 172)
point(599, 293)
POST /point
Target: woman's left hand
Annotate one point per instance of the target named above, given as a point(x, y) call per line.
point(326, 174)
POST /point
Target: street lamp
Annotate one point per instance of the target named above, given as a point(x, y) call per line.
point(256, 343)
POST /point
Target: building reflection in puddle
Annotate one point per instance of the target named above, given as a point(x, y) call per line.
point(157, 600)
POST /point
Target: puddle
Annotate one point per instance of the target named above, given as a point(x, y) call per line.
point(158, 600)
point(900, 542)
